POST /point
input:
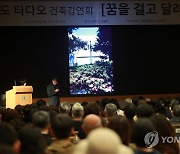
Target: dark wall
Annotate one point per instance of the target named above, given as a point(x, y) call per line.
point(146, 58)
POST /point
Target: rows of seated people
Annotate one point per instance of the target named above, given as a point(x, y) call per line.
point(102, 127)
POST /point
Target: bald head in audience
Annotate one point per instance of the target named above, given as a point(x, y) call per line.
point(91, 122)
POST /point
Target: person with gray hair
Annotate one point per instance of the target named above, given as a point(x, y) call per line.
point(110, 110)
point(41, 120)
point(65, 107)
point(77, 113)
point(77, 110)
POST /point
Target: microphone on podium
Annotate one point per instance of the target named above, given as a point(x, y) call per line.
point(14, 82)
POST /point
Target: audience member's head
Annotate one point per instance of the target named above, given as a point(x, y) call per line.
point(84, 103)
point(34, 106)
point(101, 108)
point(44, 108)
point(173, 103)
point(140, 128)
point(65, 107)
point(27, 110)
point(144, 111)
point(152, 103)
point(8, 136)
point(164, 129)
point(110, 110)
point(165, 100)
point(178, 98)
point(40, 102)
point(91, 122)
point(11, 114)
point(105, 101)
point(77, 110)
point(91, 108)
point(52, 115)
point(121, 126)
point(33, 110)
point(137, 100)
point(54, 108)
point(130, 111)
point(100, 104)
point(2, 114)
point(19, 109)
point(102, 141)
point(128, 101)
point(6, 149)
point(41, 119)
point(62, 126)
point(32, 141)
point(176, 110)
point(115, 102)
point(17, 124)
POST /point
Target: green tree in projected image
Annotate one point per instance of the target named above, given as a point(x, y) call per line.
point(75, 43)
point(104, 41)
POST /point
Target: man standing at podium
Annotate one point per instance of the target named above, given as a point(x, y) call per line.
point(53, 92)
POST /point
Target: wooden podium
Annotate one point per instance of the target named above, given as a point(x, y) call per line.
point(19, 95)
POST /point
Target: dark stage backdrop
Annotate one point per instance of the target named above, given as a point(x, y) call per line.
point(146, 58)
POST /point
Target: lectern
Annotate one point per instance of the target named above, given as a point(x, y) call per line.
point(19, 95)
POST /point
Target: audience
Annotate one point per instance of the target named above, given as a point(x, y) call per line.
point(105, 101)
point(41, 129)
point(144, 111)
point(165, 104)
point(101, 108)
point(110, 111)
point(90, 122)
point(41, 120)
point(19, 109)
point(121, 126)
point(140, 128)
point(91, 108)
point(6, 149)
point(8, 136)
point(17, 124)
point(119, 110)
point(40, 102)
point(2, 114)
point(102, 141)
point(27, 113)
point(176, 114)
point(164, 129)
point(77, 115)
point(173, 103)
point(130, 112)
point(65, 107)
point(137, 100)
point(32, 141)
point(10, 114)
point(62, 128)
point(128, 101)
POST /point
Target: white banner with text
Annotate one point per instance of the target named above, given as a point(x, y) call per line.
point(68, 13)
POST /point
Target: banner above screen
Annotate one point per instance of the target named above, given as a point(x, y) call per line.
point(82, 13)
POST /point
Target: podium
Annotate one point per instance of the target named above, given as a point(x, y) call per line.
point(19, 95)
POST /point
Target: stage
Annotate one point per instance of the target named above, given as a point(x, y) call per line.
point(120, 98)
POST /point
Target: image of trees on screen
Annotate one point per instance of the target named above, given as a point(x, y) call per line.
point(90, 60)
